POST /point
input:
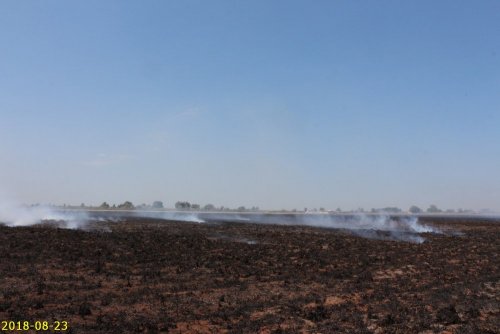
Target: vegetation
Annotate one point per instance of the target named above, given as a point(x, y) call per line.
point(433, 209)
point(157, 205)
point(182, 205)
point(415, 209)
point(104, 205)
point(126, 205)
point(209, 207)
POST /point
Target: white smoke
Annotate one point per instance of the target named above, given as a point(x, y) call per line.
point(369, 226)
point(404, 228)
point(385, 227)
point(189, 217)
point(15, 214)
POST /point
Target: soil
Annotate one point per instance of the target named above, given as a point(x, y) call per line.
point(154, 276)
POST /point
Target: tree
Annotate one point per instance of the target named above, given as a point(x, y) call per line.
point(182, 205)
point(209, 207)
point(414, 209)
point(157, 205)
point(241, 208)
point(433, 209)
point(126, 205)
point(390, 209)
point(104, 205)
point(195, 206)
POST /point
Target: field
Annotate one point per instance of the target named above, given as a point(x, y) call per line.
point(152, 276)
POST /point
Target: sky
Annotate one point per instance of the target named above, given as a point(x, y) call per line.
point(276, 104)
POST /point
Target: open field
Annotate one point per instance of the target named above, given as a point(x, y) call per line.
point(146, 275)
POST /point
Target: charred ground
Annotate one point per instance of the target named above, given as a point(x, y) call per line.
point(152, 276)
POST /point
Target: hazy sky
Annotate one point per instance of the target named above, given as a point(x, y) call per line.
point(278, 104)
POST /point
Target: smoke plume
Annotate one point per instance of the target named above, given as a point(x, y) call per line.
point(15, 214)
point(404, 228)
point(189, 217)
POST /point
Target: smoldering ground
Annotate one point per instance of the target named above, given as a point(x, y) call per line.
point(15, 214)
point(402, 228)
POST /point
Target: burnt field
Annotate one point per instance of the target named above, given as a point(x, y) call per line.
point(152, 276)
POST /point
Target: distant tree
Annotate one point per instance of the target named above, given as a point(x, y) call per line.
point(126, 205)
point(339, 210)
point(104, 205)
point(182, 205)
point(157, 205)
point(433, 209)
point(82, 205)
point(322, 209)
point(414, 209)
point(391, 209)
point(241, 208)
point(195, 206)
point(209, 207)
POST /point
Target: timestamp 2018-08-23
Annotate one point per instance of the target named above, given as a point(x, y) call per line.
point(56, 326)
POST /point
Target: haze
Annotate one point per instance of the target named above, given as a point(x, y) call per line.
point(276, 104)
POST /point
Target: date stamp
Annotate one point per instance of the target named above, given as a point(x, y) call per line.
point(55, 326)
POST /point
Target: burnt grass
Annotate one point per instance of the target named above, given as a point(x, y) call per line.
point(153, 276)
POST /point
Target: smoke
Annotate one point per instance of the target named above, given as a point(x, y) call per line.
point(189, 217)
point(368, 226)
point(372, 222)
point(386, 228)
point(15, 214)
point(382, 227)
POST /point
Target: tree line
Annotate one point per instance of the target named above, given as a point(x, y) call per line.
point(179, 205)
point(186, 205)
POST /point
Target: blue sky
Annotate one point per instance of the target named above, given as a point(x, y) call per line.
point(278, 104)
